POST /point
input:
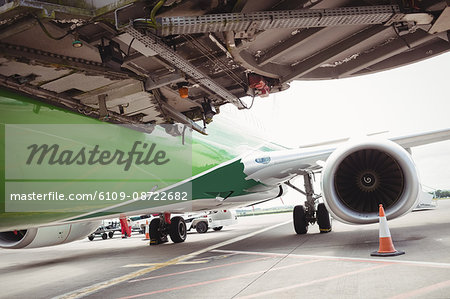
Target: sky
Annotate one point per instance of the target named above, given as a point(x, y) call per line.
point(410, 99)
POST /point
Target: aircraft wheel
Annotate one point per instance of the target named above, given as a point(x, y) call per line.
point(300, 223)
point(323, 219)
point(217, 228)
point(201, 227)
point(91, 237)
point(104, 236)
point(154, 232)
point(110, 235)
point(177, 229)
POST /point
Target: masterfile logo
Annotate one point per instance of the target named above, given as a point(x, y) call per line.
point(96, 152)
point(52, 155)
point(95, 166)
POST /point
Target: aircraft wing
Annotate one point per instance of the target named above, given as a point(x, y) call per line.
point(422, 139)
point(356, 177)
point(280, 166)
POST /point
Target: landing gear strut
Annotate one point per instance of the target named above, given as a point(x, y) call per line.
point(309, 214)
point(164, 226)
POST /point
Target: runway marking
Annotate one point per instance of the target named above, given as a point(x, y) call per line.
point(105, 284)
point(299, 285)
point(193, 262)
point(342, 258)
point(422, 291)
point(200, 269)
point(155, 264)
point(218, 280)
point(108, 283)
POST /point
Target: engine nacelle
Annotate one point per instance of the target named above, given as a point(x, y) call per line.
point(362, 174)
point(47, 236)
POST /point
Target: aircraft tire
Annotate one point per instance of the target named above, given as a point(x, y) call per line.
point(323, 219)
point(177, 229)
point(201, 227)
point(91, 237)
point(155, 234)
point(300, 223)
point(217, 228)
point(110, 235)
point(104, 236)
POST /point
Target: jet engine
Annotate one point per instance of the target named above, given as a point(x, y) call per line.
point(360, 175)
point(47, 236)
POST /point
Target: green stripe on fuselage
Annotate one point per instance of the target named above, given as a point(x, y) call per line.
point(223, 144)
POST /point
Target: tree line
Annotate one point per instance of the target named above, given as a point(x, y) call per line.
point(442, 193)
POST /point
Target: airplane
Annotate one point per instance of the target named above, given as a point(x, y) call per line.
point(226, 169)
point(158, 68)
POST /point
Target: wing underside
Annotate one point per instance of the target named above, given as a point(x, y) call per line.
point(141, 63)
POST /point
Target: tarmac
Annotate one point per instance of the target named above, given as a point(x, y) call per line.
point(260, 257)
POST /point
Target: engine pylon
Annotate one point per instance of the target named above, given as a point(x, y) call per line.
point(386, 245)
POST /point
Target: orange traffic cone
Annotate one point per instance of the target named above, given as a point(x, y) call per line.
point(386, 245)
point(147, 233)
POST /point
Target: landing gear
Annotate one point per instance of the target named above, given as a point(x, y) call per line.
point(177, 229)
point(156, 232)
point(304, 215)
point(323, 219)
point(164, 226)
point(217, 228)
point(300, 223)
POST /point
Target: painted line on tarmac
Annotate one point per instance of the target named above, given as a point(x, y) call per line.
point(219, 280)
point(422, 291)
point(201, 269)
point(156, 264)
point(108, 283)
point(342, 258)
point(304, 284)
